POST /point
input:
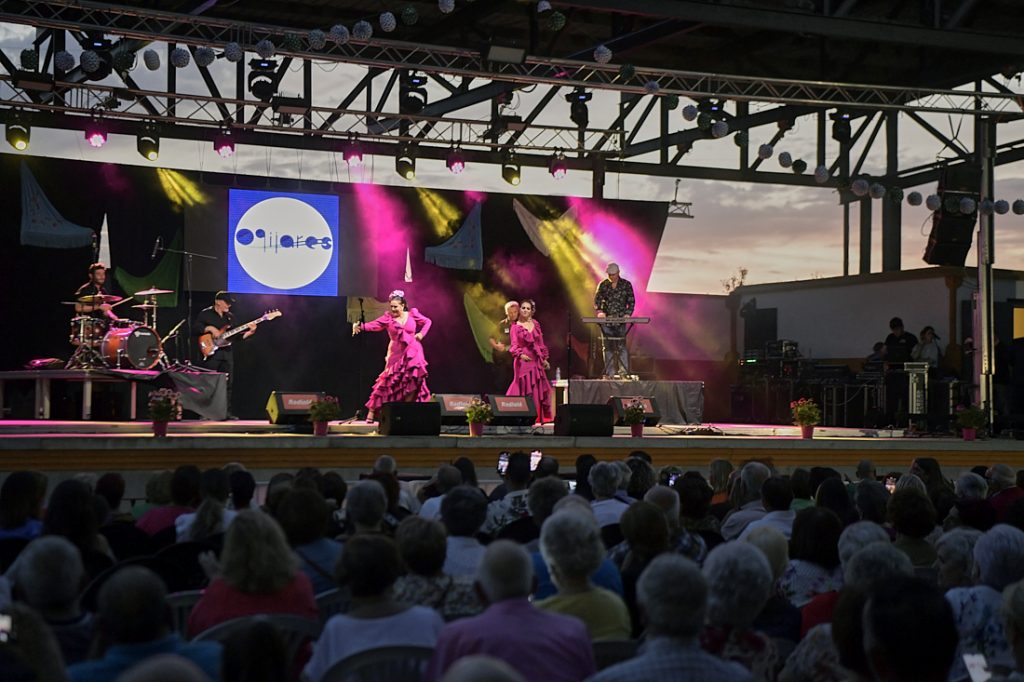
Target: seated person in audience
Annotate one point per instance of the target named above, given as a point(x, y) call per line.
point(213, 516)
point(512, 506)
point(1003, 490)
point(1013, 625)
point(746, 496)
point(604, 483)
point(695, 515)
point(255, 653)
point(278, 486)
point(954, 552)
point(482, 669)
point(184, 498)
point(544, 495)
point(387, 465)
point(998, 562)
point(570, 543)
point(158, 494)
point(71, 513)
point(393, 512)
point(913, 517)
point(739, 583)
point(49, 576)
point(871, 500)
point(168, 667)
point(243, 488)
point(779, 619)
point(303, 515)
point(422, 546)
point(813, 556)
point(463, 512)
point(673, 598)
point(446, 478)
point(369, 567)
point(607, 574)
point(641, 479)
point(538, 644)
point(258, 574)
point(365, 507)
point(21, 505)
point(625, 476)
point(777, 499)
point(971, 509)
point(645, 529)
point(547, 466)
point(110, 487)
point(132, 622)
point(909, 633)
point(680, 540)
point(803, 496)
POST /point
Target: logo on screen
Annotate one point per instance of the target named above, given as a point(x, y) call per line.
point(283, 243)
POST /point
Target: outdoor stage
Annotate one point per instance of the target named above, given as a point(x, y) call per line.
point(129, 446)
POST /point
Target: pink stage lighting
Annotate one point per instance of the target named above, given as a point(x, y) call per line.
point(95, 135)
point(353, 153)
point(557, 166)
point(455, 161)
point(224, 145)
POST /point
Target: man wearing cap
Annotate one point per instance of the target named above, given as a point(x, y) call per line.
point(614, 298)
point(216, 320)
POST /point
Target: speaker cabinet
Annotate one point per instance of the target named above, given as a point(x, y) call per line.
point(513, 410)
point(951, 236)
point(584, 420)
point(410, 419)
point(291, 407)
point(453, 407)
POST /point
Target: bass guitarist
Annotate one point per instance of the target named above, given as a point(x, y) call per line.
point(216, 320)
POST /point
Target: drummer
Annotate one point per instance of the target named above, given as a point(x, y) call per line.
point(94, 287)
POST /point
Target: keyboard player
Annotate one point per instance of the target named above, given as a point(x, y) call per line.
point(614, 298)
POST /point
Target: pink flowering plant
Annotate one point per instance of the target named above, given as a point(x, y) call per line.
point(325, 409)
point(164, 405)
point(805, 412)
point(634, 412)
point(479, 412)
point(971, 417)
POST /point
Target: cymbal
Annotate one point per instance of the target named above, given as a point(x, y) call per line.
point(153, 292)
point(70, 303)
point(145, 305)
point(98, 299)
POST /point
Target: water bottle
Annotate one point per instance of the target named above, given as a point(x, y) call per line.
point(558, 373)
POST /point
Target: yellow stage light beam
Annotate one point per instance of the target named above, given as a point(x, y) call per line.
point(444, 216)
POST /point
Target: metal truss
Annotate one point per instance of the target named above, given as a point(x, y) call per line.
point(153, 25)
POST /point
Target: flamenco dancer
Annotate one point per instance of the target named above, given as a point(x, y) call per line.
point(404, 378)
point(530, 355)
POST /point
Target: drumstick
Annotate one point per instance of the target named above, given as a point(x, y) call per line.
point(122, 301)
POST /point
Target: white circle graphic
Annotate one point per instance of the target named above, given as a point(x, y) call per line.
point(283, 243)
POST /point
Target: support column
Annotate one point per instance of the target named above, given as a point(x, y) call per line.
point(598, 177)
point(865, 235)
point(891, 211)
point(984, 341)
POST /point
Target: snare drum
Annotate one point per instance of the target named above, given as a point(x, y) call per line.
point(88, 330)
point(124, 323)
point(137, 347)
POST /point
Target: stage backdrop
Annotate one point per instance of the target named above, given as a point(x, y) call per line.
point(319, 253)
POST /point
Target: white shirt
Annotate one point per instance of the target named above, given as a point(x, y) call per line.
point(183, 524)
point(738, 519)
point(463, 556)
point(344, 636)
point(608, 512)
point(431, 509)
point(502, 512)
point(781, 521)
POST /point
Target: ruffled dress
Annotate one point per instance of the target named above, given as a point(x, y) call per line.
point(404, 378)
point(530, 377)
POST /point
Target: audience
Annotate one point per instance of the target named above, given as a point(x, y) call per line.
point(71, 513)
point(813, 556)
point(132, 625)
point(110, 487)
point(258, 573)
point(387, 465)
point(421, 544)
point(779, 619)
point(871, 499)
point(537, 644)
point(646, 532)
point(681, 541)
point(746, 497)
point(256, 653)
point(511, 506)
point(604, 483)
point(158, 493)
point(832, 494)
point(719, 473)
point(584, 463)
point(971, 509)
point(243, 487)
point(1013, 625)
point(463, 512)
point(800, 480)
point(913, 517)
point(446, 478)
point(777, 499)
point(369, 567)
point(304, 515)
point(642, 477)
point(695, 508)
point(954, 553)
point(184, 498)
point(21, 505)
point(570, 543)
point(481, 669)
point(673, 597)
point(365, 507)
point(1002, 489)
point(212, 517)
point(544, 494)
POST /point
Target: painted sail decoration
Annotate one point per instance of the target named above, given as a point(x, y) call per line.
point(464, 250)
point(41, 223)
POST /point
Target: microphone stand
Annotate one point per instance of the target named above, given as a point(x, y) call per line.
point(359, 371)
point(188, 287)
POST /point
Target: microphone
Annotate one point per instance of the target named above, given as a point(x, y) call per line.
point(156, 247)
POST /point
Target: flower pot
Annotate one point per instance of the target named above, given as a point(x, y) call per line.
point(636, 430)
point(159, 428)
point(320, 428)
point(969, 433)
point(807, 430)
point(476, 428)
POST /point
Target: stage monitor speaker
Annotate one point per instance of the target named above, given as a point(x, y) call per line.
point(652, 415)
point(410, 419)
point(951, 236)
point(584, 420)
point(453, 407)
point(513, 410)
point(291, 407)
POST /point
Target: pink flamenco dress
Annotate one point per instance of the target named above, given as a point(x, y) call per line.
point(530, 377)
point(404, 378)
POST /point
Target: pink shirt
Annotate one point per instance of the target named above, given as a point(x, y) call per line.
point(160, 518)
point(541, 646)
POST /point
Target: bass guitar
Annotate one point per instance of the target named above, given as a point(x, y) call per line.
point(208, 343)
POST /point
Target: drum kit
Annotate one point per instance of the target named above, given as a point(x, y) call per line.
point(103, 343)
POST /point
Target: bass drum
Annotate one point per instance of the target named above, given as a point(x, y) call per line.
point(137, 347)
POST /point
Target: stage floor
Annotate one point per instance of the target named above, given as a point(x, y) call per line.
point(129, 446)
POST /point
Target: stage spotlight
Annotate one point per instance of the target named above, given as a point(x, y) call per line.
point(557, 166)
point(352, 153)
point(262, 78)
point(223, 144)
point(841, 128)
point(510, 169)
point(95, 134)
point(148, 144)
point(579, 113)
point(455, 160)
point(412, 93)
point(18, 135)
point(405, 162)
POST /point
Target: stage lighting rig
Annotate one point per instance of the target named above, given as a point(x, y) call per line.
point(412, 93)
point(841, 128)
point(148, 144)
point(95, 134)
point(579, 113)
point(352, 153)
point(19, 133)
point(557, 166)
point(224, 144)
point(455, 160)
point(262, 78)
point(511, 172)
point(405, 162)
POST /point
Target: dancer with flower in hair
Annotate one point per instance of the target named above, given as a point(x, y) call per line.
point(530, 360)
point(404, 378)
